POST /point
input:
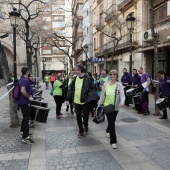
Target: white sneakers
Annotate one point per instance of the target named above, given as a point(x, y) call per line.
point(108, 135)
point(114, 146)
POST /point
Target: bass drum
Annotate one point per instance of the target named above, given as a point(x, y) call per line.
point(42, 114)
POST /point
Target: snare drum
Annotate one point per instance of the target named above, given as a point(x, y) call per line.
point(136, 99)
point(130, 92)
point(162, 103)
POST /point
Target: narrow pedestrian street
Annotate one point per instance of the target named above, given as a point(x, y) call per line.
point(143, 142)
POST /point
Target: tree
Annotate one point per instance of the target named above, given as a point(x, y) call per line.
point(155, 44)
point(14, 121)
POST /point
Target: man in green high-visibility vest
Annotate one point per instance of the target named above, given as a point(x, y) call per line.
point(46, 80)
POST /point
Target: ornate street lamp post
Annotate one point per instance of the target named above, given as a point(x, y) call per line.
point(86, 50)
point(130, 25)
point(14, 20)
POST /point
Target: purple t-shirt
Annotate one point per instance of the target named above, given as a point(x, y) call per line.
point(165, 87)
point(144, 78)
point(24, 82)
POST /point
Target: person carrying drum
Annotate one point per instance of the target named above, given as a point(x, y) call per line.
point(127, 82)
point(136, 82)
point(145, 79)
point(164, 89)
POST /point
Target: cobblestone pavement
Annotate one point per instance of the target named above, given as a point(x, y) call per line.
point(143, 142)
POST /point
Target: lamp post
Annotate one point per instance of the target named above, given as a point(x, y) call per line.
point(14, 20)
point(86, 50)
point(130, 25)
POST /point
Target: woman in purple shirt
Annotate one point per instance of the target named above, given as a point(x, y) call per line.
point(164, 89)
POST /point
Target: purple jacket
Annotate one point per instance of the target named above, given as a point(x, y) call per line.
point(126, 78)
point(165, 87)
point(136, 80)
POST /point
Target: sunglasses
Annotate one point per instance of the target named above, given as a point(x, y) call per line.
point(112, 74)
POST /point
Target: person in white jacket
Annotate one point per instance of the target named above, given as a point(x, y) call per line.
point(112, 93)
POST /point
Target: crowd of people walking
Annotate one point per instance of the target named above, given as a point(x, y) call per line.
point(83, 92)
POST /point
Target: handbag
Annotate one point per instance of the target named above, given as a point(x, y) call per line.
point(51, 92)
point(111, 107)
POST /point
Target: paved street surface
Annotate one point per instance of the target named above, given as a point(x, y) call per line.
point(143, 142)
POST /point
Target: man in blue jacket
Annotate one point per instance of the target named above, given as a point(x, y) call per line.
point(127, 82)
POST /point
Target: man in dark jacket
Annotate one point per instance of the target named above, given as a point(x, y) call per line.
point(127, 82)
point(136, 82)
point(78, 91)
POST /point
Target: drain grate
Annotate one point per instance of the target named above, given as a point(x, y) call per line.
point(129, 120)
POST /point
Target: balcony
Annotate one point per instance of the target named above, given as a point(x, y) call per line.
point(98, 51)
point(125, 41)
point(80, 32)
point(110, 12)
point(100, 24)
point(109, 47)
point(80, 13)
point(124, 4)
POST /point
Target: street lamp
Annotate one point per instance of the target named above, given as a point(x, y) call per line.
point(130, 25)
point(14, 20)
point(86, 50)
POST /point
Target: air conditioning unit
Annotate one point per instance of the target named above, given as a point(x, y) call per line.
point(147, 35)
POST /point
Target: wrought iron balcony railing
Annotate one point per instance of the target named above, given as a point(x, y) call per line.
point(124, 4)
point(110, 12)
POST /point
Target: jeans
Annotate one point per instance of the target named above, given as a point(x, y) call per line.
point(26, 109)
point(111, 118)
point(52, 83)
point(58, 100)
point(82, 109)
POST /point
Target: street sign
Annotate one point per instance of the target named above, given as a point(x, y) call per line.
point(95, 60)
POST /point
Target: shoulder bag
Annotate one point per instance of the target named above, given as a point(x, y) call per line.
point(109, 109)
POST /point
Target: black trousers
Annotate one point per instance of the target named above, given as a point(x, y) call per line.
point(58, 100)
point(71, 104)
point(52, 83)
point(26, 110)
point(111, 118)
point(82, 109)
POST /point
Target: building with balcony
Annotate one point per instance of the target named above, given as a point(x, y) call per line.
point(111, 38)
point(162, 30)
point(59, 29)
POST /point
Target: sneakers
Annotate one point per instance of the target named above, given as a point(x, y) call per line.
point(72, 112)
point(114, 146)
point(86, 129)
point(108, 135)
point(28, 141)
point(58, 116)
point(80, 135)
point(21, 134)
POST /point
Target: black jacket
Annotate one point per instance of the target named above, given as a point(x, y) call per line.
point(86, 87)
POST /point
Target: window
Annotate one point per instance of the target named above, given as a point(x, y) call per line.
point(160, 13)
